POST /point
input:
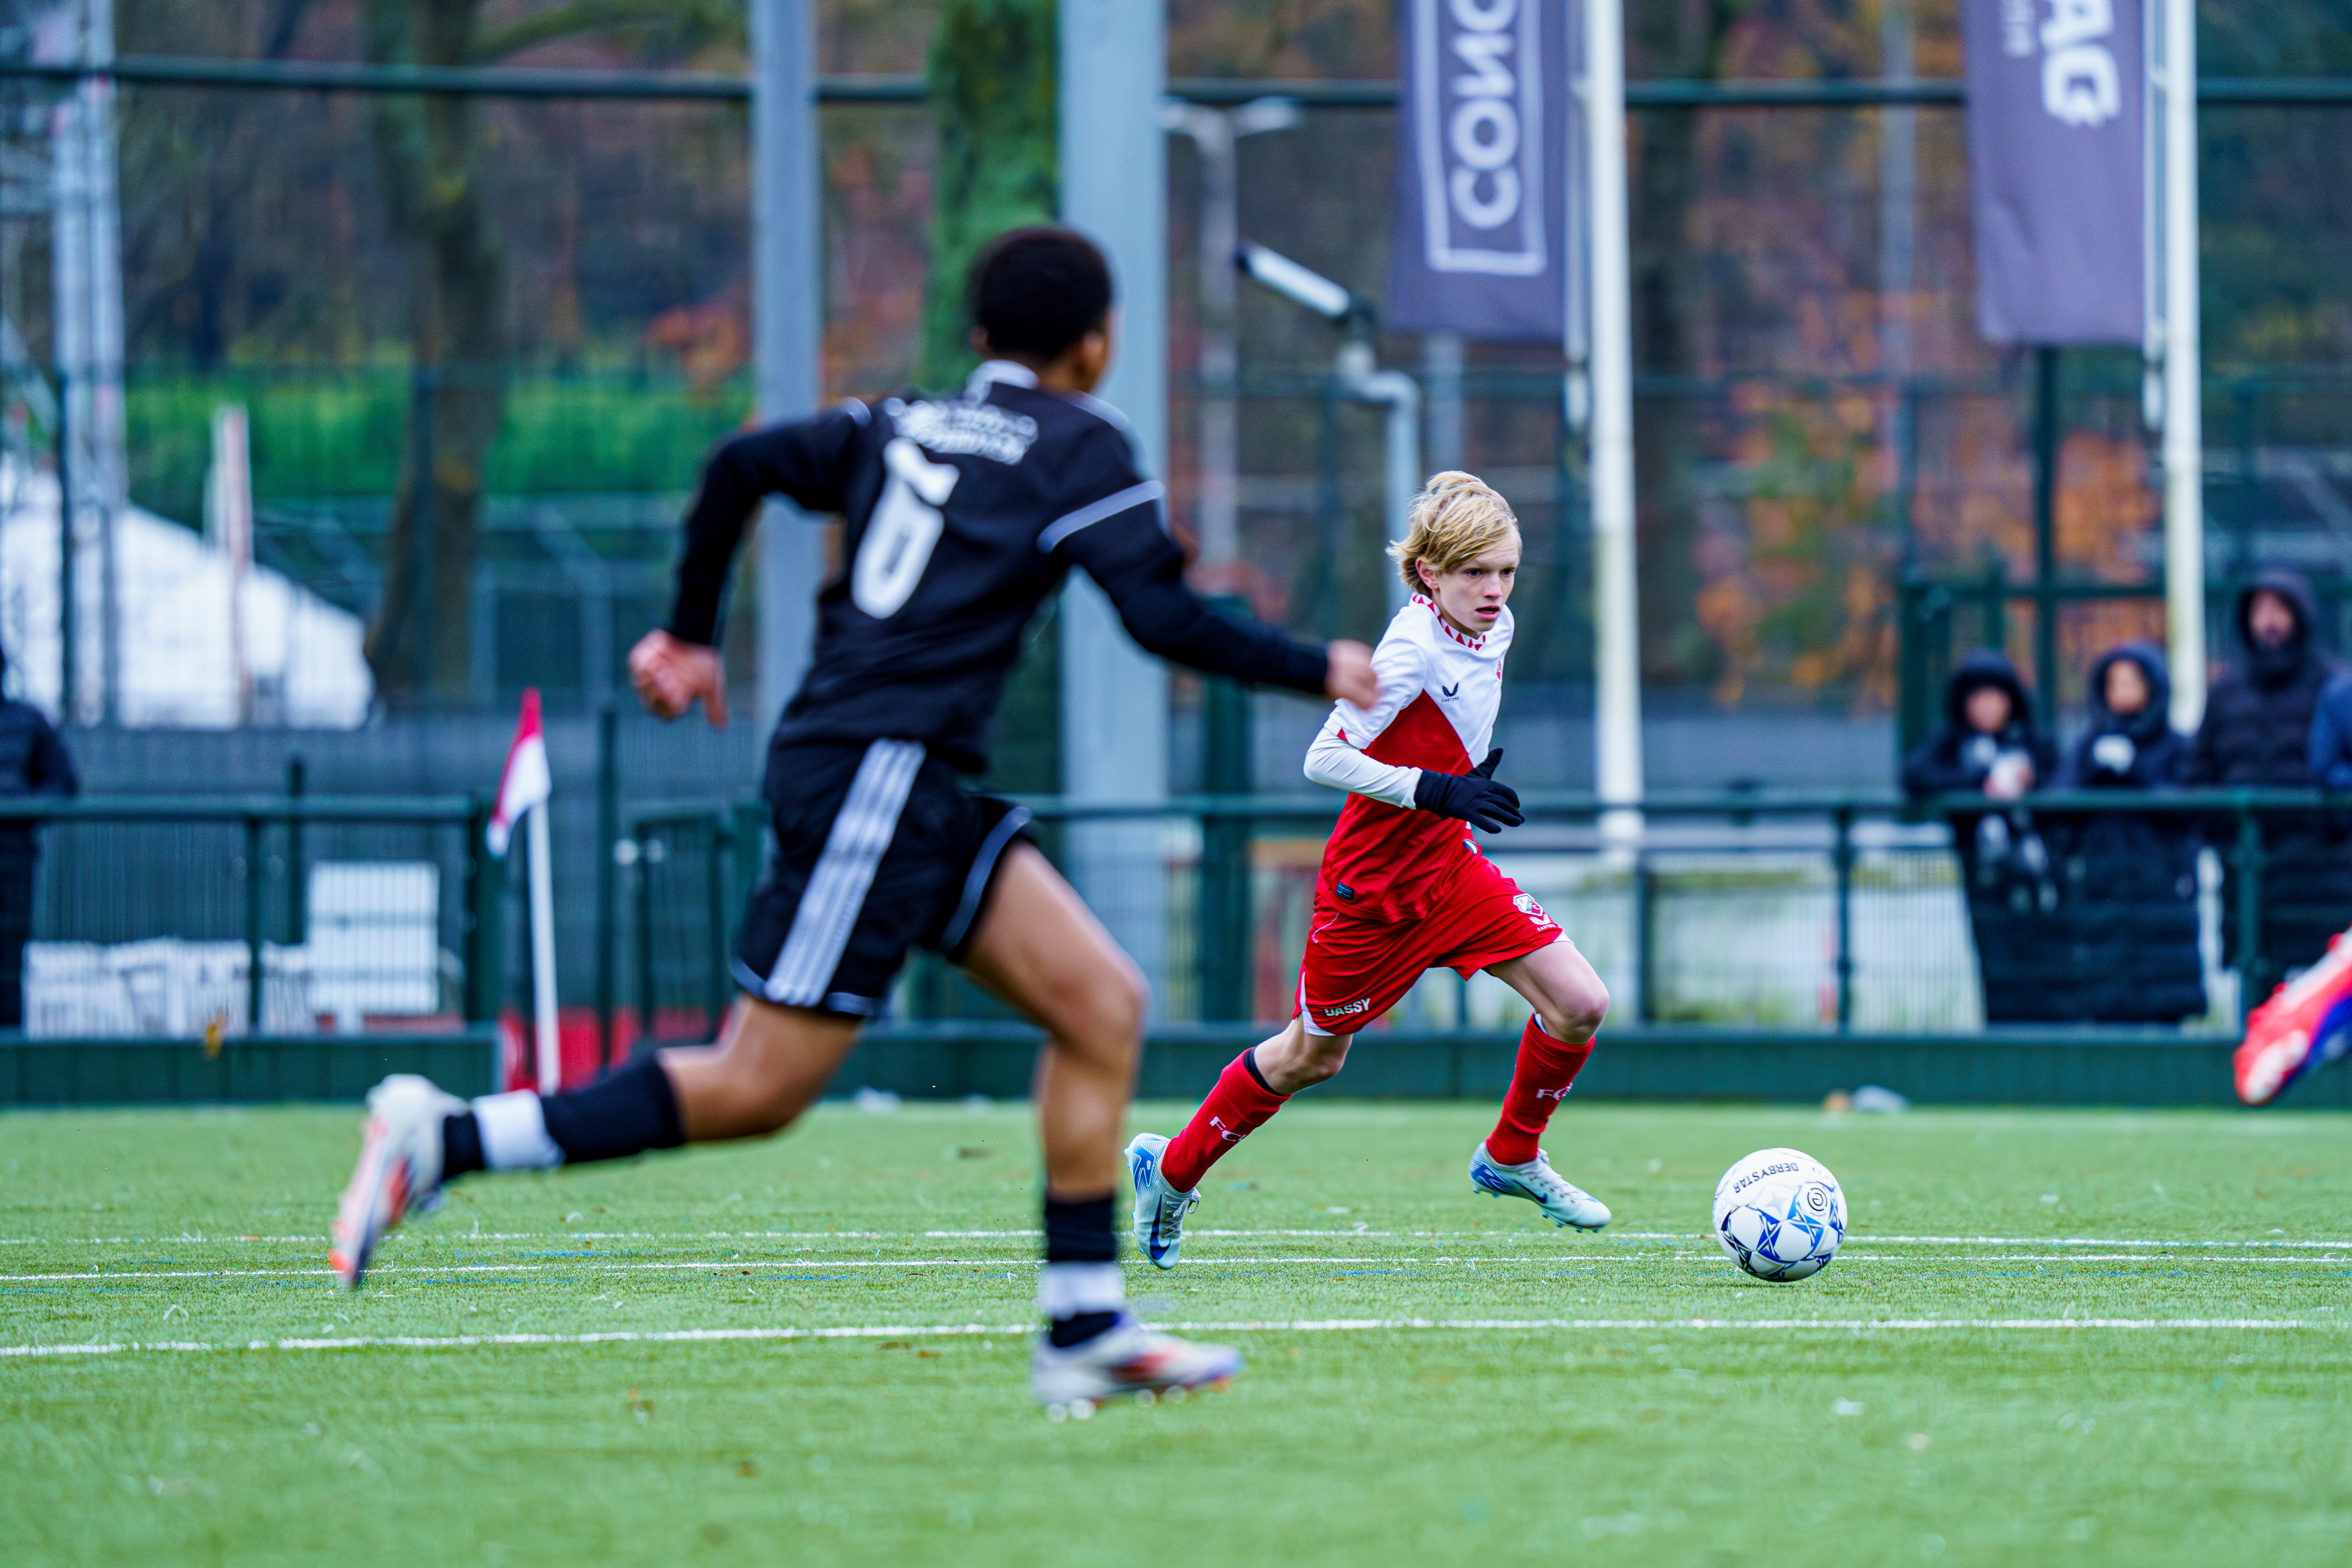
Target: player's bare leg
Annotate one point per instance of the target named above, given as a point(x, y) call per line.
point(1042, 950)
point(770, 1064)
point(1167, 1171)
point(1568, 1002)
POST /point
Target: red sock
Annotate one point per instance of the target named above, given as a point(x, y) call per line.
point(1539, 1083)
point(1236, 1108)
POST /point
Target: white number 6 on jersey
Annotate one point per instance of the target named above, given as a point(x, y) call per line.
point(906, 524)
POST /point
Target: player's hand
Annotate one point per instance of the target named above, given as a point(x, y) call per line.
point(671, 674)
point(1349, 675)
point(1473, 797)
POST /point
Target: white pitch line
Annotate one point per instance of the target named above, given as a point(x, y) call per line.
point(746, 1265)
point(1254, 1326)
point(819, 1237)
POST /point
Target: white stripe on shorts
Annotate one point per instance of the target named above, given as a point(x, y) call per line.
point(837, 888)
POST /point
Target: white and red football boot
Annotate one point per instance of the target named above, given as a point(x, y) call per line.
point(2304, 1025)
point(399, 1173)
point(1125, 1360)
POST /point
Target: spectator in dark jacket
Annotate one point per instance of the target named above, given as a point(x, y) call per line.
point(1989, 746)
point(1988, 743)
point(2329, 754)
point(2257, 725)
point(2127, 882)
point(33, 761)
point(2130, 743)
point(2257, 734)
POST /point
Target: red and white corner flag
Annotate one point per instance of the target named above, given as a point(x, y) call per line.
point(527, 781)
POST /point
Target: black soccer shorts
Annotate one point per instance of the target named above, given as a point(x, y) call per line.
point(878, 848)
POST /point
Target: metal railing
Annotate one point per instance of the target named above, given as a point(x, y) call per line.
point(141, 867)
point(1873, 874)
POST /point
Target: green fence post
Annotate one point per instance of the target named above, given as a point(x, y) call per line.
point(297, 868)
point(1842, 859)
point(253, 925)
point(720, 857)
point(1223, 913)
point(2046, 425)
point(2252, 971)
point(486, 885)
point(641, 863)
point(608, 835)
point(1996, 592)
point(1644, 974)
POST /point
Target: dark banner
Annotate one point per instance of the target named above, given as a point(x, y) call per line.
point(2056, 105)
point(1486, 148)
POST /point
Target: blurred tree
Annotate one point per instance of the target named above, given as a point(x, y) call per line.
point(1686, 40)
point(430, 151)
point(991, 72)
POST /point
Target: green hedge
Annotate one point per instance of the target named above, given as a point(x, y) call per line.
point(339, 434)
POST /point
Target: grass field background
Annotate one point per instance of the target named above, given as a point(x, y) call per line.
point(1911, 1404)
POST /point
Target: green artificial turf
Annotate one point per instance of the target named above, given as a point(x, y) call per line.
point(1626, 1435)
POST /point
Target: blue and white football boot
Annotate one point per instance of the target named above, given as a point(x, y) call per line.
point(1160, 1209)
point(1562, 1201)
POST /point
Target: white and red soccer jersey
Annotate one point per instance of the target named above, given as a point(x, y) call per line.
point(1440, 689)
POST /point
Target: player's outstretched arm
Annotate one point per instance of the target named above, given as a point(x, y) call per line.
point(674, 668)
point(1131, 556)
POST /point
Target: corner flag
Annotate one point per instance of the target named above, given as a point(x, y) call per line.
point(526, 782)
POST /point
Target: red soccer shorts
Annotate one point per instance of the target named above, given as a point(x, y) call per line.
point(1355, 968)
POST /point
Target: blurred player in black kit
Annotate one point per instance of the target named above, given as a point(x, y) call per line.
point(963, 514)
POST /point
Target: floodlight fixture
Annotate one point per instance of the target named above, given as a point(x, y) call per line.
point(1298, 284)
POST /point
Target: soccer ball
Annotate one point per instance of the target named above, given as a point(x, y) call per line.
point(1780, 1214)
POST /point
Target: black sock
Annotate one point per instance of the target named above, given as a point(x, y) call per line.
point(461, 1145)
point(630, 1111)
point(1079, 1230)
point(1076, 1330)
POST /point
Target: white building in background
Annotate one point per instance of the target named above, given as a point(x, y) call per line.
point(178, 610)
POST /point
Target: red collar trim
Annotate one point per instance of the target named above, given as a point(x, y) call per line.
point(1445, 626)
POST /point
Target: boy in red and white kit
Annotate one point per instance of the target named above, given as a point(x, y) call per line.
point(1404, 887)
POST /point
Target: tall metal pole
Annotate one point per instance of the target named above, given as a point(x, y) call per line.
point(2184, 416)
point(1441, 373)
point(1617, 698)
point(787, 320)
point(1114, 165)
point(1215, 135)
point(85, 269)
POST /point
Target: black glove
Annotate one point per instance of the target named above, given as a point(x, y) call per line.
point(1473, 797)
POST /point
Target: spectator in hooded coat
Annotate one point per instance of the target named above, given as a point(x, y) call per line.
point(1988, 743)
point(2257, 734)
point(2328, 753)
point(33, 761)
point(1989, 746)
point(2127, 884)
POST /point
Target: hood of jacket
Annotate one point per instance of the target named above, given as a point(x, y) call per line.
point(2276, 666)
point(1980, 668)
point(2150, 724)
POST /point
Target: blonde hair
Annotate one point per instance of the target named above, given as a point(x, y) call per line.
point(1455, 519)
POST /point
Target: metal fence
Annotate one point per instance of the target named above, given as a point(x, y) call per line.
point(1837, 913)
point(165, 916)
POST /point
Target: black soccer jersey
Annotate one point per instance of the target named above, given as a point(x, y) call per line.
point(963, 514)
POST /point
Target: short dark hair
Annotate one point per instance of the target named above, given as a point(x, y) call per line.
point(1036, 291)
